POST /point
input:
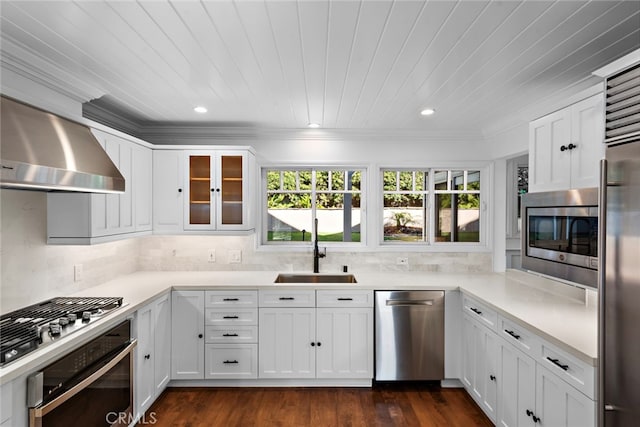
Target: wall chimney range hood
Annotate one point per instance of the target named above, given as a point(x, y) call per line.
point(42, 151)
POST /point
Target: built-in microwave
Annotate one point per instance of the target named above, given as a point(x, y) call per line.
point(560, 234)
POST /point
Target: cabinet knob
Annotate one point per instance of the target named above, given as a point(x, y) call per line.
point(563, 148)
point(147, 356)
point(319, 343)
point(199, 335)
point(179, 190)
point(217, 190)
point(572, 146)
point(492, 377)
point(313, 344)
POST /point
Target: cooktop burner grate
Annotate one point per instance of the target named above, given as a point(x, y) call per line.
point(23, 330)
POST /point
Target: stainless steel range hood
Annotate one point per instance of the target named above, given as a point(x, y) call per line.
point(42, 151)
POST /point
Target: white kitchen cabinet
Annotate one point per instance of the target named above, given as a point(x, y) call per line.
point(334, 341)
point(231, 334)
point(566, 146)
point(287, 343)
point(87, 218)
point(480, 369)
point(217, 190)
point(143, 188)
point(559, 404)
point(6, 401)
point(153, 352)
point(187, 335)
point(168, 191)
point(517, 387)
point(345, 343)
point(202, 190)
point(519, 379)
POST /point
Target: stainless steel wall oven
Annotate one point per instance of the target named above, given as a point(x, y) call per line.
point(560, 236)
point(91, 386)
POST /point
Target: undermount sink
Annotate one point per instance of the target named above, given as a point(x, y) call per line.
point(315, 278)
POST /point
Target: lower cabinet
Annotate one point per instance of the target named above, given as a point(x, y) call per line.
point(214, 335)
point(333, 341)
point(230, 361)
point(517, 397)
point(480, 357)
point(187, 335)
point(517, 388)
point(153, 352)
point(559, 404)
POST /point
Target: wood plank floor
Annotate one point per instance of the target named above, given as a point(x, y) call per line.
point(381, 405)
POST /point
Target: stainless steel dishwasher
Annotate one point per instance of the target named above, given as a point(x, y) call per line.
point(409, 335)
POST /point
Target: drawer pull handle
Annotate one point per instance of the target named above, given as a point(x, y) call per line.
point(230, 361)
point(475, 310)
point(229, 335)
point(513, 334)
point(532, 415)
point(286, 298)
point(230, 317)
point(231, 299)
point(558, 364)
point(345, 299)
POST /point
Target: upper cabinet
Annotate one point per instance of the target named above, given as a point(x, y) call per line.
point(566, 146)
point(202, 190)
point(86, 218)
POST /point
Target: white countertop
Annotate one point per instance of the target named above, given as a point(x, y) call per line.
point(566, 322)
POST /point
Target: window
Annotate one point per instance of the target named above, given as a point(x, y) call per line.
point(405, 196)
point(295, 197)
point(454, 195)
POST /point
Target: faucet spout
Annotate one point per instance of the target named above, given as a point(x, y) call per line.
point(316, 251)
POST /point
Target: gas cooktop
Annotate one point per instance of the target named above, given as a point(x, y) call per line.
point(23, 331)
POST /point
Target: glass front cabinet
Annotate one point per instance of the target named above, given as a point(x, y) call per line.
point(217, 184)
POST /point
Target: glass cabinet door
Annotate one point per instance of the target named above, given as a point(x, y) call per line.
point(217, 190)
point(232, 197)
point(200, 190)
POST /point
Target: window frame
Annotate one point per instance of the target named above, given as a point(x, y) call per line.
point(429, 243)
point(289, 245)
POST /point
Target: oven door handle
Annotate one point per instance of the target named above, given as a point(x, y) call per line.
point(45, 409)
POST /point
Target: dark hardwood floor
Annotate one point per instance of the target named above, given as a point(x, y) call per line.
point(381, 405)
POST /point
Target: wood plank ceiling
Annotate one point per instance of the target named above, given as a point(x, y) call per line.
point(342, 64)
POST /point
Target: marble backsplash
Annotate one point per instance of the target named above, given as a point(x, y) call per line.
point(192, 253)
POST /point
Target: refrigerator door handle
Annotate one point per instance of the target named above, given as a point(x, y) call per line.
point(602, 261)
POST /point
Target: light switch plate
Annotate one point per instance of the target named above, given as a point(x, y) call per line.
point(77, 272)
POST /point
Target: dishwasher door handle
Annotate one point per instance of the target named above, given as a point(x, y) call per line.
point(401, 302)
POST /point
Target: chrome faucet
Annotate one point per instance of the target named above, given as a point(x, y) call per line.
point(316, 251)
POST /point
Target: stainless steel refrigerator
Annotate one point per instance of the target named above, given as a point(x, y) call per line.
point(619, 289)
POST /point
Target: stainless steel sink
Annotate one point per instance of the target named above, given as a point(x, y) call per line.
point(315, 278)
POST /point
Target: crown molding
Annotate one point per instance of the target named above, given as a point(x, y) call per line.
point(21, 59)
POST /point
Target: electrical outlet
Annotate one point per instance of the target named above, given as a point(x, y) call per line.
point(402, 261)
point(212, 255)
point(77, 272)
point(235, 256)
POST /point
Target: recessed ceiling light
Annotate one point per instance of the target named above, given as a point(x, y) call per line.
point(200, 109)
point(427, 111)
point(313, 125)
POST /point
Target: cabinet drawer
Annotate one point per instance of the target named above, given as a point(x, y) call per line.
point(214, 299)
point(519, 336)
point(481, 312)
point(577, 373)
point(231, 361)
point(231, 334)
point(345, 298)
point(232, 316)
point(287, 298)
